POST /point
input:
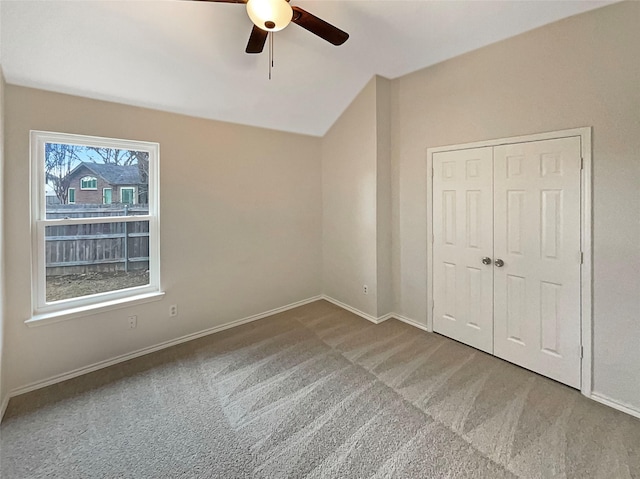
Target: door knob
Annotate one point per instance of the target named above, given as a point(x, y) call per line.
point(486, 260)
point(499, 263)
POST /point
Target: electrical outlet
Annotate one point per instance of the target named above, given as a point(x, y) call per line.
point(133, 321)
point(365, 289)
point(173, 310)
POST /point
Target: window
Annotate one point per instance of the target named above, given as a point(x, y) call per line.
point(127, 195)
point(89, 183)
point(106, 196)
point(87, 255)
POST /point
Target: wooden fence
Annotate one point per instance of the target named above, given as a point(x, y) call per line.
point(96, 247)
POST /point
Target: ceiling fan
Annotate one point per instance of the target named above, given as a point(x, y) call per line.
point(273, 15)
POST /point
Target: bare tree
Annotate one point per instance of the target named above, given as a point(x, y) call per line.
point(59, 160)
point(142, 160)
point(112, 156)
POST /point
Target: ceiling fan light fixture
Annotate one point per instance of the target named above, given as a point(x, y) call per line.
point(270, 15)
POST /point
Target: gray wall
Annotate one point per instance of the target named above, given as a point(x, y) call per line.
point(4, 391)
point(356, 205)
point(384, 197)
point(278, 217)
point(240, 228)
point(349, 151)
point(582, 71)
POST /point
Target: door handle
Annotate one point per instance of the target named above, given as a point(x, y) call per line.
point(486, 260)
point(499, 263)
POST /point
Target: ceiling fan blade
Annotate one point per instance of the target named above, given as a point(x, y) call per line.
point(257, 39)
point(319, 27)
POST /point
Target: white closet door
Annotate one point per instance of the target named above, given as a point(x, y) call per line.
point(463, 235)
point(537, 236)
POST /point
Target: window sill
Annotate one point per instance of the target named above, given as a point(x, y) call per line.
point(66, 314)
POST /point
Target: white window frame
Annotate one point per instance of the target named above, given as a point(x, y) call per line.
point(133, 194)
point(69, 190)
point(104, 190)
point(44, 312)
point(89, 178)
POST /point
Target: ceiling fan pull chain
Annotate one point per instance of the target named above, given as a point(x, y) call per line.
point(270, 53)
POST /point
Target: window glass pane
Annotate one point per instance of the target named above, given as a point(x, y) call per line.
point(89, 170)
point(127, 195)
point(107, 196)
point(95, 258)
point(88, 183)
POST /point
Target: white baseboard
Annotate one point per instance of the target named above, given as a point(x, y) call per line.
point(353, 310)
point(151, 349)
point(373, 319)
point(601, 398)
point(607, 401)
point(411, 322)
point(3, 405)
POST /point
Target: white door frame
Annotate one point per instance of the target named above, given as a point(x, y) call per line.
point(586, 278)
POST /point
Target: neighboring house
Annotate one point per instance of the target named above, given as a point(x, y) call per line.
point(99, 183)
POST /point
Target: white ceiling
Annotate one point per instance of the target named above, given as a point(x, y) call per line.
point(188, 57)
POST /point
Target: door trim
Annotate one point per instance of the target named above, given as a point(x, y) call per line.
point(586, 276)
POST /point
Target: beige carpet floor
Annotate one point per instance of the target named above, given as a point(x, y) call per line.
point(316, 392)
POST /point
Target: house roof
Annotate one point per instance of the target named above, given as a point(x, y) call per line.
point(188, 56)
point(113, 174)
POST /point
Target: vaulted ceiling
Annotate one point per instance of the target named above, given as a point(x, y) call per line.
point(188, 57)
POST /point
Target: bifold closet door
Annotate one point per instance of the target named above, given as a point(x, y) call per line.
point(537, 247)
point(463, 238)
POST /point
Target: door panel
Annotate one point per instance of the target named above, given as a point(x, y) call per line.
point(463, 235)
point(537, 235)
